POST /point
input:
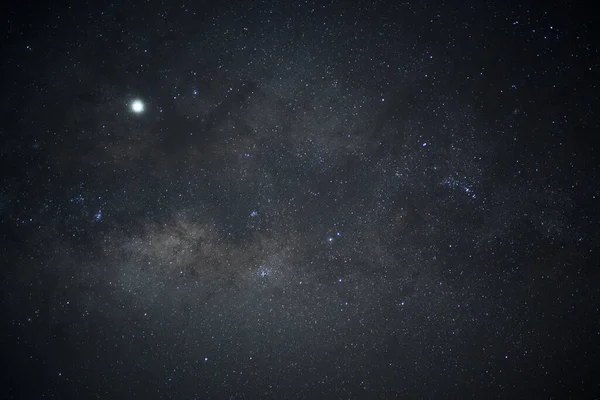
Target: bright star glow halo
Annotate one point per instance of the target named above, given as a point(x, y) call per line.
point(137, 106)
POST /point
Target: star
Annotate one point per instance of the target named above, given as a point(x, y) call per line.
point(137, 106)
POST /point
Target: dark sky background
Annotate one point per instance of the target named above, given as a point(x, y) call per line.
point(319, 200)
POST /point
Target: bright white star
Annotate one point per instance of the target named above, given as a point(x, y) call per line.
point(137, 106)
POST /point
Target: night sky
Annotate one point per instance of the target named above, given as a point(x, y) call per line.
point(307, 200)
